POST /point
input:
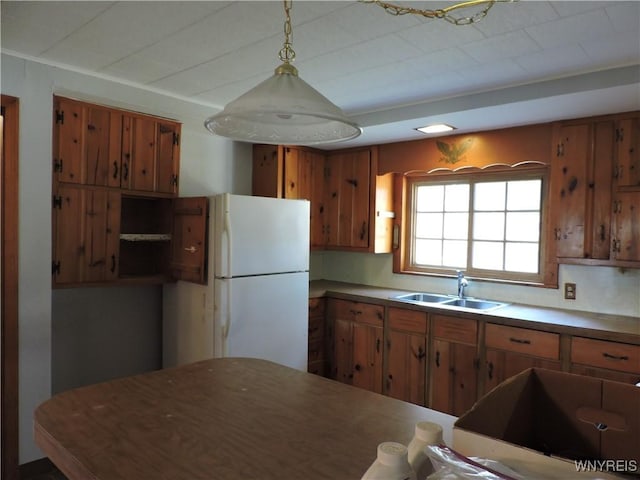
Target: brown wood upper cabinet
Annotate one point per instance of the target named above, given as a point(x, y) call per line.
point(115, 216)
point(102, 236)
point(102, 146)
point(350, 203)
point(581, 189)
point(594, 190)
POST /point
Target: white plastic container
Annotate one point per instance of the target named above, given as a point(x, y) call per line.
point(426, 433)
point(392, 463)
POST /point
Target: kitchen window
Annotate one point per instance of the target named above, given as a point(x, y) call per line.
point(488, 225)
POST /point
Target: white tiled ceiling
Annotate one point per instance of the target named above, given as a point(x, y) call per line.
point(527, 61)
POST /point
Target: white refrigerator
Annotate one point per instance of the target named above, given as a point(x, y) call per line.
point(255, 303)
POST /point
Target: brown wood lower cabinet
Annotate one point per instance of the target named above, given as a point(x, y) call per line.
point(445, 362)
point(454, 364)
point(317, 361)
point(406, 350)
point(604, 359)
point(357, 343)
point(511, 350)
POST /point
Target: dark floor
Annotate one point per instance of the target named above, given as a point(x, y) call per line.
point(40, 470)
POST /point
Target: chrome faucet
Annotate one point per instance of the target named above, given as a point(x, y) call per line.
point(462, 283)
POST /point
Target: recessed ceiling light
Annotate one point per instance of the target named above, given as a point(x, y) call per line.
point(436, 128)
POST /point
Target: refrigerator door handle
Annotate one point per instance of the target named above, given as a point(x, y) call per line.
point(227, 323)
point(227, 230)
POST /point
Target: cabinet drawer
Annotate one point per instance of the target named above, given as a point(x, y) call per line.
point(408, 320)
point(316, 307)
point(459, 330)
point(523, 340)
point(600, 353)
point(359, 312)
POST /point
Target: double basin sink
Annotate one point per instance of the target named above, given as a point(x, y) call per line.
point(436, 299)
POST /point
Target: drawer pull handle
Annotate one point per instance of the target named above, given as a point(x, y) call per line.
point(520, 341)
point(437, 359)
point(615, 357)
point(490, 370)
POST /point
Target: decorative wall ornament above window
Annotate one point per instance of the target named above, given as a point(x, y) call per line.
point(443, 13)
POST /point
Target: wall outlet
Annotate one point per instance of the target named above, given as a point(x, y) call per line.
point(570, 291)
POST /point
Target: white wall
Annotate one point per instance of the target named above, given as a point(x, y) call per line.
point(209, 165)
point(599, 289)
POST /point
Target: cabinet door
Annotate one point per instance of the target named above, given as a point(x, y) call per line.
point(168, 157)
point(317, 337)
point(68, 140)
point(406, 350)
point(501, 364)
point(268, 171)
point(189, 239)
point(628, 152)
point(86, 235)
point(102, 235)
point(569, 170)
point(367, 357)
point(454, 381)
point(68, 235)
point(407, 366)
point(626, 237)
point(347, 199)
point(143, 152)
point(102, 146)
point(599, 225)
point(304, 172)
point(342, 350)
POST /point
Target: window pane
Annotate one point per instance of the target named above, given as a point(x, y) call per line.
point(454, 254)
point(524, 194)
point(430, 198)
point(456, 198)
point(487, 255)
point(523, 226)
point(429, 225)
point(428, 252)
point(522, 257)
point(488, 226)
point(456, 225)
point(489, 196)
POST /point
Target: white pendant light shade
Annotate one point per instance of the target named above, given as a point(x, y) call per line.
point(284, 109)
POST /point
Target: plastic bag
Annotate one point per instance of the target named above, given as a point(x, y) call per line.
point(451, 465)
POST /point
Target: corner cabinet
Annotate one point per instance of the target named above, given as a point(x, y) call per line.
point(595, 190)
point(116, 217)
point(350, 204)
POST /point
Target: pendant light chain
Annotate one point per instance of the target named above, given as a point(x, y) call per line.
point(286, 54)
point(441, 13)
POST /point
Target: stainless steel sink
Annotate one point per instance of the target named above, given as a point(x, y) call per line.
point(449, 301)
point(424, 297)
point(474, 303)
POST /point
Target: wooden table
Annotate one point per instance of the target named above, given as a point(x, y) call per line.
point(223, 419)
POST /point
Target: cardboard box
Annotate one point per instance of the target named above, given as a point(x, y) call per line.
point(545, 421)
